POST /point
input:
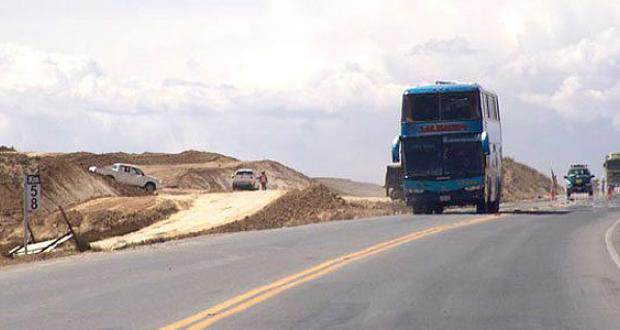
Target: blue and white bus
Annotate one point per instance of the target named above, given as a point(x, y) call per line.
point(450, 148)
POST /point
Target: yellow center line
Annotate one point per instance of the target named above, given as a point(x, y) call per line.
point(250, 298)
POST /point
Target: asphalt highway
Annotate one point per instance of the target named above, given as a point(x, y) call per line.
point(550, 269)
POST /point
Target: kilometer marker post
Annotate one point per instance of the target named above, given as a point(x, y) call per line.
point(32, 203)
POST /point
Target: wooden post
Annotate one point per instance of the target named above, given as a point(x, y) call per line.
point(75, 238)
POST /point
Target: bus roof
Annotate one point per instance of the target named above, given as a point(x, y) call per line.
point(443, 88)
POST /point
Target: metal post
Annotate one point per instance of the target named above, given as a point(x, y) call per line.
point(25, 218)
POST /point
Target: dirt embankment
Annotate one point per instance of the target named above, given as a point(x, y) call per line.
point(521, 182)
point(346, 187)
point(65, 183)
point(217, 176)
point(207, 211)
point(68, 183)
point(95, 220)
point(316, 203)
point(86, 159)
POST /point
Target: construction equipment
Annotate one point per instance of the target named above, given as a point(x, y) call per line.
point(578, 180)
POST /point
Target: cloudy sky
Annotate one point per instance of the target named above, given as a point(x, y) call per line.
point(314, 84)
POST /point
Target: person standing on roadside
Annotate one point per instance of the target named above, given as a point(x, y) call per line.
point(263, 180)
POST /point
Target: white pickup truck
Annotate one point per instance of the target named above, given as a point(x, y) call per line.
point(128, 174)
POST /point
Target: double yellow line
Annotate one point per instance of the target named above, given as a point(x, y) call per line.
point(248, 299)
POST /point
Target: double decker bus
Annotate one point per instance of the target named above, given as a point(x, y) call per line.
point(450, 148)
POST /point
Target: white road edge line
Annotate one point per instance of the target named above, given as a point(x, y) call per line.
point(610, 246)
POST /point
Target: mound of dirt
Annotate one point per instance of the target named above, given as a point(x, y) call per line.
point(65, 183)
point(346, 187)
point(102, 221)
point(217, 176)
point(86, 159)
point(521, 182)
point(66, 179)
point(316, 203)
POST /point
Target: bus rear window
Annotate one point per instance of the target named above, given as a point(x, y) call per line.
point(434, 107)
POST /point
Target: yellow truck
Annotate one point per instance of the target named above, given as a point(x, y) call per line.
point(612, 169)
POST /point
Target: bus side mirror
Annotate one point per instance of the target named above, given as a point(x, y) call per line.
point(484, 138)
point(396, 150)
point(565, 177)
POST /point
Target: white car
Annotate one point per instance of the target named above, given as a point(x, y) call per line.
point(244, 179)
point(128, 174)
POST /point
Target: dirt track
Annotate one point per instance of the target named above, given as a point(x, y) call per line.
point(207, 211)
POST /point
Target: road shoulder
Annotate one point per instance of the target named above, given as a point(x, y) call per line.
point(612, 240)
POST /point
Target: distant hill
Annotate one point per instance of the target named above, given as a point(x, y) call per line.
point(346, 187)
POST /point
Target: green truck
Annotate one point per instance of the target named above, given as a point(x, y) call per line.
point(578, 180)
point(612, 169)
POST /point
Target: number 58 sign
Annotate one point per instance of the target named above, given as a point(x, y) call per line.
point(32, 193)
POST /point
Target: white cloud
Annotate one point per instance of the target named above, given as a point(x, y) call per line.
point(4, 122)
point(74, 100)
point(456, 46)
point(582, 78)
point(292, 79)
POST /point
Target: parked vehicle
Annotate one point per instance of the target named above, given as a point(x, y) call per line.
point(450, 147)
point(244, 179)
point(128, 174)
point(578, 180)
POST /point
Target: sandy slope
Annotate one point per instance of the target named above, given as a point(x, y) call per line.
point(208, 211)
